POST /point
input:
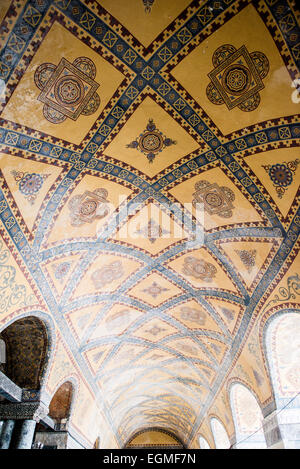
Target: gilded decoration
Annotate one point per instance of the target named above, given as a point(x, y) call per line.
point(89, 206)
point(237, 77)
point(118, 121)
point(216, 200)
point(68, 89)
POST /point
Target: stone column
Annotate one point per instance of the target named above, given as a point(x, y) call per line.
point(272, 431)
point(6, 434)
point(27, 414)
point(26, 435)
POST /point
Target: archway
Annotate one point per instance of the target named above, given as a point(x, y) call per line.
point(203, 443)
point(219, 434)
point(154, 438)
point(26, 346)
point(247, 417)
point(282, 342)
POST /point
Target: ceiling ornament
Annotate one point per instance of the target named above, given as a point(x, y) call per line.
point(67, 90)
point(192, 314)
point(29, 184)
point(155, 290)
point(152, 231)
point(199, 269)
point(107, 274)
point(151, 141)
point(89, 206)
point(247, 258)
point(61, 270)
point(237, 77)
point(148, 4)
point(118, 319)
point(217, 200)
point(281, 175)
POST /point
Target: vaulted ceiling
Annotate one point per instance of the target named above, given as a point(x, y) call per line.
point(117, 117)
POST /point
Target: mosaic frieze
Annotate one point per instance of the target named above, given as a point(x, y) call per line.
point(151, 141)
point(237, 77)
point(216, 200)
point(67, 90)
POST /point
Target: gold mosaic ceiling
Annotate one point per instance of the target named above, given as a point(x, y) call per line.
point(117, 118)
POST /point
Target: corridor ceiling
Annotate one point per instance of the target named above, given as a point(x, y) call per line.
point(117, 118)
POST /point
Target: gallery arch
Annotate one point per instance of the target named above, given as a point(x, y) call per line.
point(25, 342)
point(219, 434)
point(282, 427)
point(247, 417)
point(203, 443)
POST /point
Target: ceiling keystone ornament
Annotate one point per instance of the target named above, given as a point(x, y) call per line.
point(237, 77)
point(155, 290)
point(199, 269)
point(89, 206)
point(151, 141)
point(148, 4)
point(247, 258)
point(281, 175)
point(217, 200)
point(107, 274)
point(61, 270)
point(67, 90)
point(152, 231)
point(192, 314)
point(29, 184)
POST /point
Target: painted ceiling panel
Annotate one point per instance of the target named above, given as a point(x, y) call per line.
point(118, 121)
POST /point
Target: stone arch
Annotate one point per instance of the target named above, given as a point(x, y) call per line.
point(61, 404)
point(219, 433)
point(29, 342)
point(247, 417)
point(281, 340)
point(203, 443)
point(154, 437)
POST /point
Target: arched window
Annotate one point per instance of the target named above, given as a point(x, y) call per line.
point(283, 353)
point(60, 405)
point(219, 434)
point(247, 417)
point(25, 345)
point(203, 443)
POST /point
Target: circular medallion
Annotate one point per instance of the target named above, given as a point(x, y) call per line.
point(52, 115)
point(281, 175)
point(151, 142)
point(213, 199)
point(69, 90)
point(236, 79)
point(92, 105)
point(86, 66)
point(222, 53)
point(30, 184)
point(261, 63)
point(213, 94)
point(88, 207)
point(43, 74)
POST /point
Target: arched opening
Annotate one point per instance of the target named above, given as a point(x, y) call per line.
point(247, 417)
point(203, 443)
point(154, 438)
point(219, 434)
point(282, 342)
point(60, 405)
point(25, 346)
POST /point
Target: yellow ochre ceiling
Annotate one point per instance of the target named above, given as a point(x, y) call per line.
point(117, 117)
